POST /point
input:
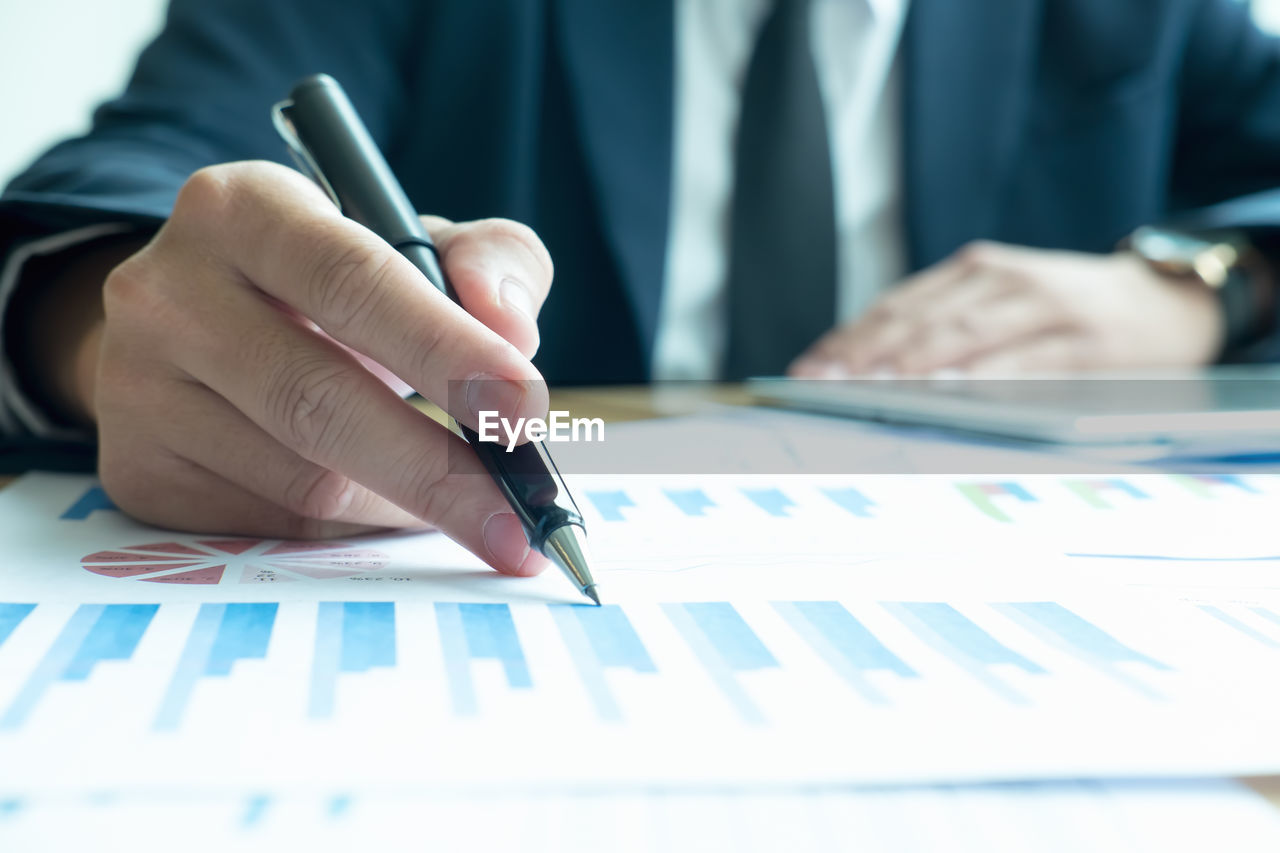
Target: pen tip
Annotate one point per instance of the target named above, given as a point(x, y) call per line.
point(566, 546)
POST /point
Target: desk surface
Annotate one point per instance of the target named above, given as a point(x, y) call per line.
point(639, 403)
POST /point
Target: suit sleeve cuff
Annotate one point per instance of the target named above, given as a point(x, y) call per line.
point(19, 416)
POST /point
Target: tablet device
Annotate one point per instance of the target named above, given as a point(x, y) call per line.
point(1220, 405)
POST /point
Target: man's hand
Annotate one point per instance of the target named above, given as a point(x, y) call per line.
point(993, 309)
point(249, 355)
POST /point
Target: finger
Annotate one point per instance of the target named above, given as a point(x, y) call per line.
point(310, 395)
point(856, 349)
point(880, 339)
point(501, 272)
point(1003, 297)
point(945, 317)
point(388, 378)
point(194, 499)
point(865, 345)
point(278, 231)
point(1052, 352)
point(986, 316)
point(230, 445)
point(925, 285)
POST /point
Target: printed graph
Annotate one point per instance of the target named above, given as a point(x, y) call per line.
point(351, 637)
point(1256, 623)
point(844, 643)
point(987, 497)
point(1004, 500)
point(234, 561)
point(725, 645)
point(600, 638)
point(471, 632)
point(974, 650)
point(94, 633)
point(1096, 493)
point(493, 653)
point(774, 502)
point(1008, 501)
point(1211, 486)
point(222, 635)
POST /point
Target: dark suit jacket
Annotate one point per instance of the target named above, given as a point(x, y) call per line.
point(1053, 123)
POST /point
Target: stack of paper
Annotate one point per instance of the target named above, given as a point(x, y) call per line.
point(767, 642)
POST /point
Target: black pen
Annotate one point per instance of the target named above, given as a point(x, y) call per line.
point(332, 144)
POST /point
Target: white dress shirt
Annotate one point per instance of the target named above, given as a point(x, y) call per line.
point(855, 44)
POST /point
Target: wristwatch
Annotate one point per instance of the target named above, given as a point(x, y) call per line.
point(1225, 262)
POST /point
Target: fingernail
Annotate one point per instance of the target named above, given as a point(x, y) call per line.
point(504, 537)
point(489, 393)
point(515, 297)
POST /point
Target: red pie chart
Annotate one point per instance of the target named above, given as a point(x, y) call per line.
point(234, 561)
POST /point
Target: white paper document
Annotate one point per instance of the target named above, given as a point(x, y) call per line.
point(757, 632)
point(1067, 817)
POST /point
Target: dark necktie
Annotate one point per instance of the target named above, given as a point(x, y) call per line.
point(782, 238)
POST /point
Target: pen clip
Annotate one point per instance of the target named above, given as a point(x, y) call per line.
point(301, 155)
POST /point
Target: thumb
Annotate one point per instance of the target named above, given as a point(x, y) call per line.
point(501, 272)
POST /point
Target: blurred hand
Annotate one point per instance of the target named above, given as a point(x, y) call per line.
point(994, 309)
point(246, 380)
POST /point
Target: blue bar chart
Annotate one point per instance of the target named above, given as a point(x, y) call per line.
point(94, 633)
point(973, 649)
point(1055, 622)
point(471, 632)
point(874, 654)
point(852, 500)
point(11, 616)
point(773, 501)
point(600, 639)
point(93, 500)
point(611, 504)
point(692, 502)
point(726, 646)
point(1239, 625)
point(222, 634)
point(1059, 627)
point(1011, 502)
point(351, 637)
point(1267, 614)
point(837, 629)
point(844, 643)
